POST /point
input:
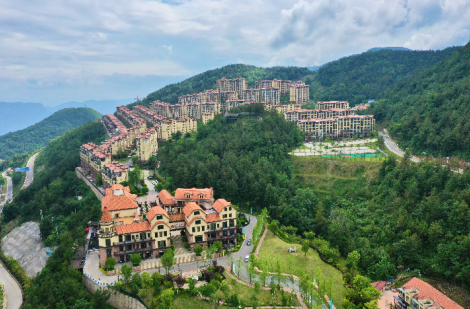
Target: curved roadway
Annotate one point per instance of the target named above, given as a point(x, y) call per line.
point(393, 147)
point(9, 189)
point(12, 289)
point(30, 174)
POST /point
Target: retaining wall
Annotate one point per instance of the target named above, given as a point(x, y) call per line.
point(92, 186)
point(116, 299)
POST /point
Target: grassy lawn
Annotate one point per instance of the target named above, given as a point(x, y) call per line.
point(302, 147)
point(188, 302)
point(274, 249)
point(326, 176)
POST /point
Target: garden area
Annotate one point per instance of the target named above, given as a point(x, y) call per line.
point(274, 256)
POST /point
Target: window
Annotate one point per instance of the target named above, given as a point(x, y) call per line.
point(156, 234)
point(133, 237)
point(203, 228)
point(120, 238)
point(160, 227)
point(194, 229)
point(161, 244)
point(201, 195)
point(108, 242)
point(164, 233)
point(225, 223)
point(159, 217)
point(198, 228)
point(224, 216)
point(148, 235)
point(196, 212)
point(198, 221)
point(230, 208)
point(198, 238)
point(230, 215)
point(187, 195)
point(161, 234)
point(217, 225)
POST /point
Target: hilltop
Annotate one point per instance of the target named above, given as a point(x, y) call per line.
point(365, 76)
point(18, 115)
point(37, 136)
point(428, 112)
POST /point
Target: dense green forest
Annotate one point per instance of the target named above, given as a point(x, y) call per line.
point(37, 136)
point(208, 80)
point(365, 76)
point(430, 110)
point(54, 190)
point(414, 216)
point(245, 162)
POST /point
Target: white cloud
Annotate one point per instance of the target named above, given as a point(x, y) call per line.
point(55, 42)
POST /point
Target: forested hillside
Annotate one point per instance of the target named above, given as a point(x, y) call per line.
point(361, 77)
point(208, 80)
point(55, 191)
point(430, 111)
point(17, 116)
point(37, 136)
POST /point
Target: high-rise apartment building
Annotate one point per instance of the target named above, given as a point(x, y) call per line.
point(236, 84)
point(264, 95)
point(299, 93)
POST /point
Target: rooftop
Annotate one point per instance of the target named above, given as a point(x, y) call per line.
point(427, 291)
point(133, 228)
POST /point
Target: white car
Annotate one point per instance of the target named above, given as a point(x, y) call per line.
point(154, 183)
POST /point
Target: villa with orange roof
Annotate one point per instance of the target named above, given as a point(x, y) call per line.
point(417, 294)
point(125, 230)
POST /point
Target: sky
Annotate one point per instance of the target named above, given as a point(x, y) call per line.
point(55, 51)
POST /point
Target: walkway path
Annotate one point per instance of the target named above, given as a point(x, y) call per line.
point(30, 174)
point(12, 289)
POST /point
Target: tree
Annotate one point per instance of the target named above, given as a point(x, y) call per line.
point(168, 260)
point(208, 290)
point(110, 263)
point(180, 281)
point(238, 265)
point(192, 286)
point(217, 245)
point(231, 260)
point(99, 180)
point(305, 246)
point(198, 250)
point(136, 258)
point(352, 261)
point(126, 272)
point(100, 297)
point(166, 299)
point(263, 276)
point(257, 287)
point(146, 280)
point(250, 271)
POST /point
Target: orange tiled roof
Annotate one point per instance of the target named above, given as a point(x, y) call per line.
point(190, 207)
point(379, 285)
point(177, 217)
point(133, 228)
point(160, 222)
point(220, 204)
point(181, 193)
point(195, 218)
point(212, 217)
point(427, 291)
point(118, 202)
point(106, 217)
point(166, 198)
point(157, 210)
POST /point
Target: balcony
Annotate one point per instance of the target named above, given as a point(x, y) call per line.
point(135, 241)
point(124, 252)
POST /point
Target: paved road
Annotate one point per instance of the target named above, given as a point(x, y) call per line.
point(12, 290)
point(9, 188)
point(149, 184)
point(30, 174)
point(393, 147)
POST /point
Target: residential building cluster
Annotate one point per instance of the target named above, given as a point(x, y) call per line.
point(126, 228)
point(332, 119)
point(418, 294)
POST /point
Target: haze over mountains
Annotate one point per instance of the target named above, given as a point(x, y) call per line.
point(18, 115)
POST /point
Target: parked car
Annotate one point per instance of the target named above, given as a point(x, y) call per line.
point(247, 258)
point(248, 243)
point(153, 182)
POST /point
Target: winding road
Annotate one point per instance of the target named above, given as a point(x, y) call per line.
point(30, 174)
point(12, 289)
point(393, 147)
point(9, 189)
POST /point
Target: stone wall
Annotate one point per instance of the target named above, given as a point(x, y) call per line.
point(117, 300)
point(92, 186)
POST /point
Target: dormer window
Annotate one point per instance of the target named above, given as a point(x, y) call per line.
point(201, 195)
point(187, 195)
point(196, 212)
point(159, 217)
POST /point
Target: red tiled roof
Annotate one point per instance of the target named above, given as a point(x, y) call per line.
point(166, 198)
point(133, 228)
point(177, 217)
point(190, 207)
point(106, 217)
point(157, 210)
point(427, 291)
point(160, 222)
point(181, 193)
point(379, 285)
point(118, 202)
point(195, 218)
point(212, 217)
point(220, 204)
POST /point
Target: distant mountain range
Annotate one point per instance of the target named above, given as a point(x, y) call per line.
point(389, 48)
point(18, 115)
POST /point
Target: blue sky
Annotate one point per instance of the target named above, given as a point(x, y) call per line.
point(57, 51)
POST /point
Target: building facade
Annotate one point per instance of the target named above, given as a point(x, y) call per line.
point(236, 84)
point(332, 104)
point(264, 95)
point(299, 93)
point(147, 144)
point(114, 173)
